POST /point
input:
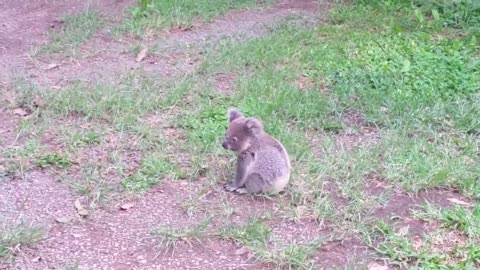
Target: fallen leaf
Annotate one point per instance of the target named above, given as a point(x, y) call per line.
point(38, 101)
point(63, 219)
point(20, 112)
point(80, 209)
point(127, 206)
point(459, 202)
point(51, 66)
point(141, 55)
point(329, 246)
point(78, 204)
point(376, 266)
point(83, 212)
point(241, 251)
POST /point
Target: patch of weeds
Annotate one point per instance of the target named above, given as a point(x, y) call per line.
point(457, 218)
point(206, 128)
point(76, 30)
point(122, 102)
point(428, 161)
point(434, 250)
point(15, 236)
point(93, 184)
point(156, 14)
point(85, 138)
point(457, 14)
point(254, 234)
point(169, 236)
point(293, 256)
point(403, 88)
point(192, 204)
point(56, 159)
point(150, 173)
point(17, 160)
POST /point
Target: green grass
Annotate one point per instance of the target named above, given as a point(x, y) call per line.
point(151, 172)
point(254, 234)
point(55, 159)
point(76, 30)
point(17, 160)
point(150, 15)
point(121, 102)
point(13, 237)
point(292, 256)
point(456, 218)
point(169, 237)
point(410, 71)
point(437, 249)
point(94, 184)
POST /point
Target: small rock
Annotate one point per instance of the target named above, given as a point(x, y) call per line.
point(141, 55)
point(127, 206)
point(241, 251)
point(20, 112)
point(376, 266)
point(63, 219)
point(51, 66)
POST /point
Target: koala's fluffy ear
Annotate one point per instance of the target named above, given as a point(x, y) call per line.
point(233, 114)
point(253, 125)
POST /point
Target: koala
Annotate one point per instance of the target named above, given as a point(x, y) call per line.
point(263, 165)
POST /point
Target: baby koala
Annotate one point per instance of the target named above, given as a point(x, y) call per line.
point(263, 165)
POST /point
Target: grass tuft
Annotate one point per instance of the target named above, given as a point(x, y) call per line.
point(76, 30)
point(15, 236)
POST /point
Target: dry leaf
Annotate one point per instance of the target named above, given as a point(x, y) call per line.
point(20, 112)
point(241, 251)
point(127, 206)
point(376, 266)
point(141, 55)
point(37, 100)
point(83, 212)
point(63, 219)
point(80, 209)
point(78, 204)
point(51, 66)
point(459, 202)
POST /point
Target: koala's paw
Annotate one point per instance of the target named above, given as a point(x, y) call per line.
point(241, 190)
point(229, 187)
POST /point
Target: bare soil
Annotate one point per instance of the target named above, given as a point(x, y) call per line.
point(110, 238)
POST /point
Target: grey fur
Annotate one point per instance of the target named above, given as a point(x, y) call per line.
point(263, 164)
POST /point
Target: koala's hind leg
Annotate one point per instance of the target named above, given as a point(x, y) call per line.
point(255, 184)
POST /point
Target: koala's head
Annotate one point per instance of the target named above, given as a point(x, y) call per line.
point(240, 131)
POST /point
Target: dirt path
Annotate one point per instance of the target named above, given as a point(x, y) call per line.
point(111, 238)
point(26, 24)
point(108, 56)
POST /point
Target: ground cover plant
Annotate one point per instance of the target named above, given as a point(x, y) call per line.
point(377, 103)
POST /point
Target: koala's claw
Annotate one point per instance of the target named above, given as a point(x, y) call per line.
point(229, 188)
point(241, 190)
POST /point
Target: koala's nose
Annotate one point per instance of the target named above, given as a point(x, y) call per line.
point(225, 144)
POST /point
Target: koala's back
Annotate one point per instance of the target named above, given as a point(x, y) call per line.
point(272, 162)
